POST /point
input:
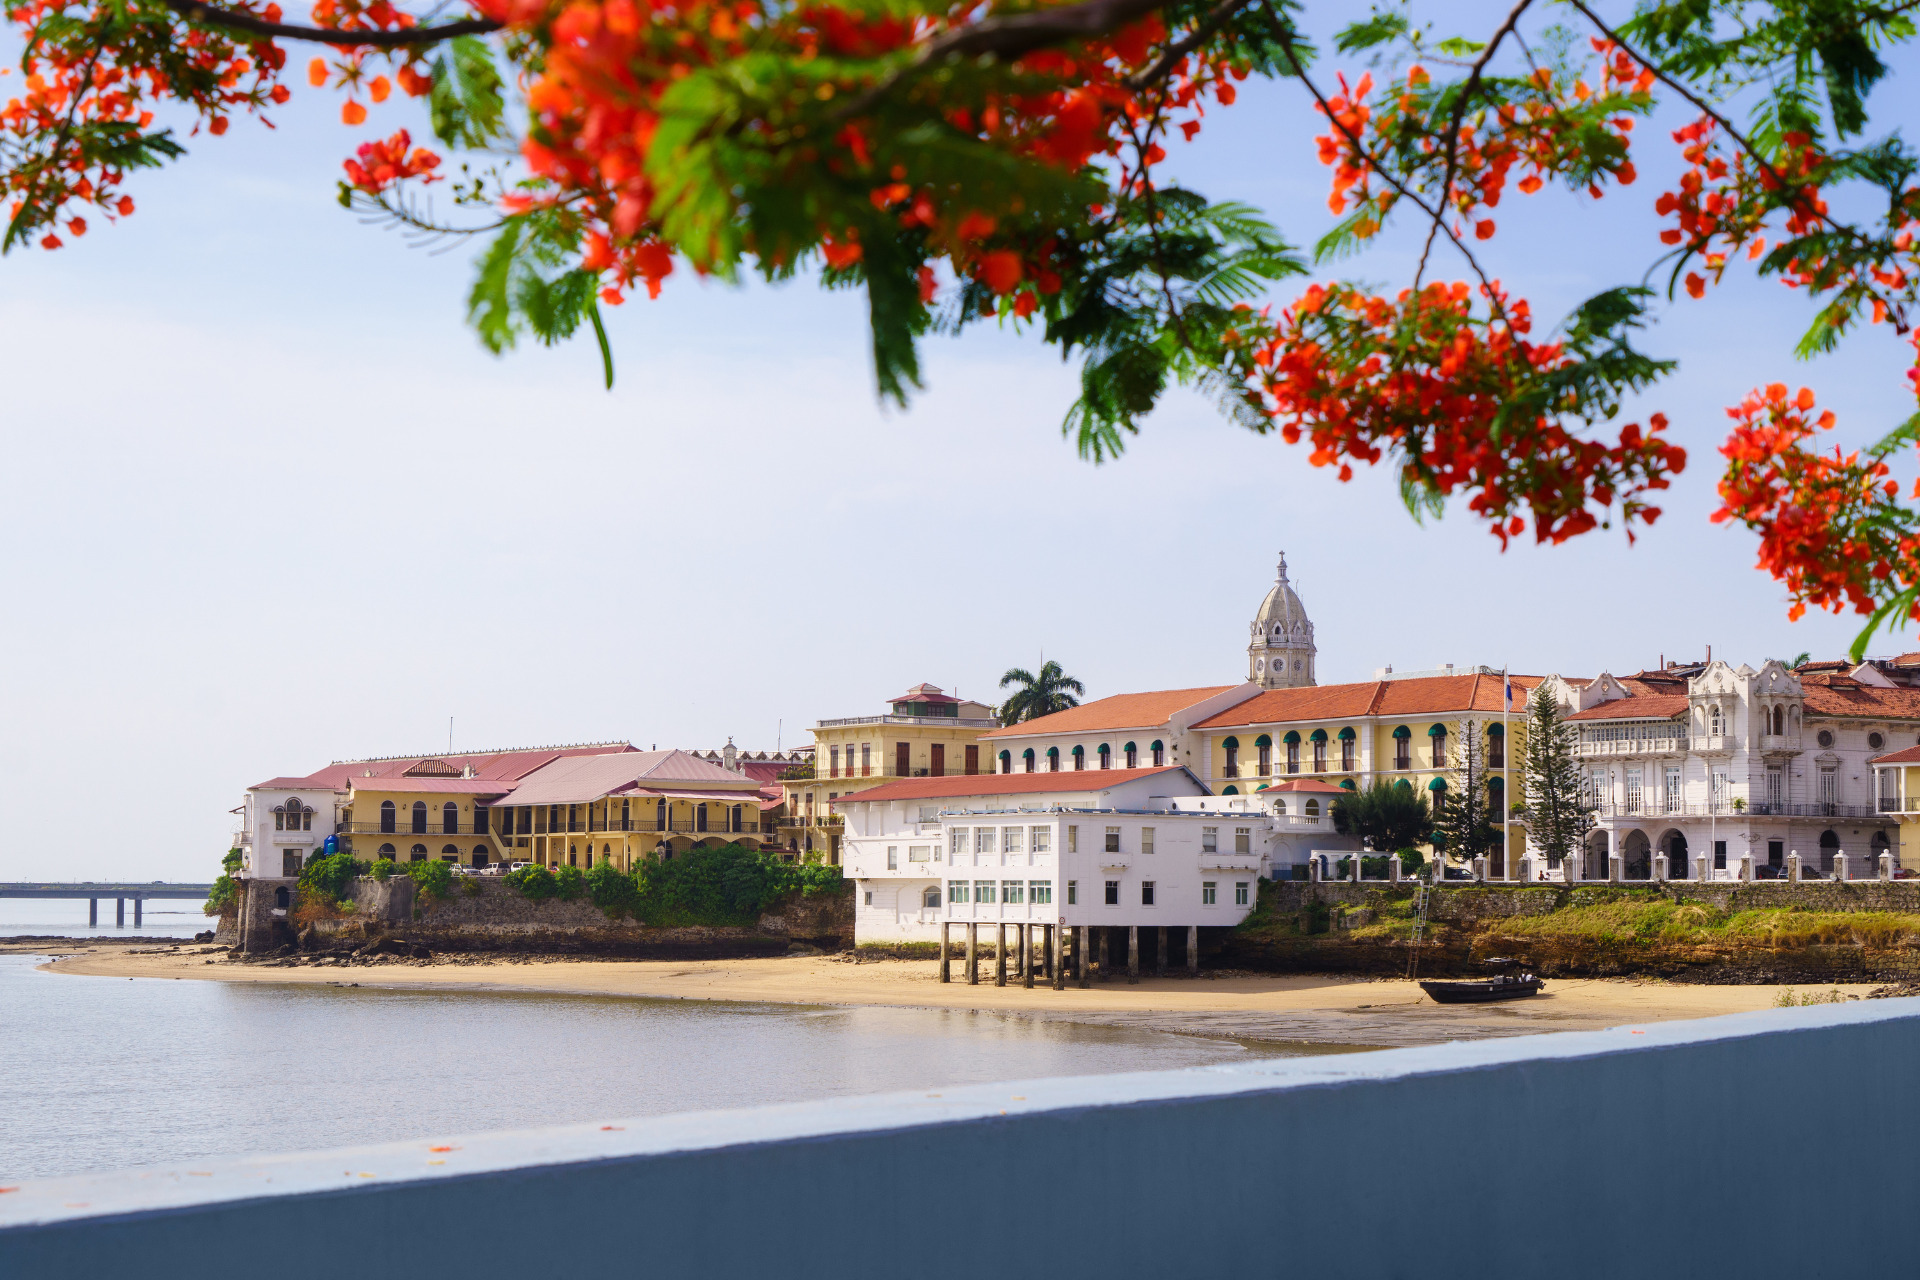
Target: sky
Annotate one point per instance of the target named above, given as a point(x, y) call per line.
point(272, 505)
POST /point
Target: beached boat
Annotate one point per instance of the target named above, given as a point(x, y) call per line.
point(1504, 987)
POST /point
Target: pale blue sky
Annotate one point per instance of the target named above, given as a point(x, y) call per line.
point(272, 505)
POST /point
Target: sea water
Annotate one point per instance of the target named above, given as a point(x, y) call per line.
point(105, 1073)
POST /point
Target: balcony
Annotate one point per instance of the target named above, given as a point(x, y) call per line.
point(242, 840)
point(404, 828)
point(1779, 743)
point(1300, 821)
point(1725, 809)
point(1714, 744)
point(1636, 746)
point(932, 722)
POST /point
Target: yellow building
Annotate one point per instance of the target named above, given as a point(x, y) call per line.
point(924, 734)
point(1408, 729)
point(621, 809)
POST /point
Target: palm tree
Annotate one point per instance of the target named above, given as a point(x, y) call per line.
point(1042, 695)
point(1797, 663)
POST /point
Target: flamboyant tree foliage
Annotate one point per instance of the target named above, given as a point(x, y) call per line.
point(1002, 159)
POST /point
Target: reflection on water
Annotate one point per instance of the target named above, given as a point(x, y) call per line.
point(67, 918)
point(101, 1073)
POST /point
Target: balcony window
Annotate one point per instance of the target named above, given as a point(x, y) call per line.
point(450, 818)
point(1159, 754)
point(833, 762)
point(1496, 747)
point(1106, 756)
point(1232, 747)
point(866, 759)
point(386, 818)
point(1293, 755)
point(1403, 748)
point(1053, 759)
point(1006, 763)
point(1265, 747)
point(1079, 759)
point(419, 817)
point(1132, 756)
point(1437, 736)
point(1319, 755)
point(1346, 751)
point(1026, 758)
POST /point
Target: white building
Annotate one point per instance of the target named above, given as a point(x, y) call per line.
point(282, 821)
point(1125, 731)
point(1708, 761)
point(1119, 847)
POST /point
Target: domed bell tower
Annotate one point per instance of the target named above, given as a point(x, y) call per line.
point(1281, 655)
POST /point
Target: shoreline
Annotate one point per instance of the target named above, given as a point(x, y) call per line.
point(1335, 1011)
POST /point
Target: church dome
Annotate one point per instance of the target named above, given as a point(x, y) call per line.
point(1281, 655)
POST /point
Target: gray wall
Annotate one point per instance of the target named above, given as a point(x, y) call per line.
point(1782, 1143)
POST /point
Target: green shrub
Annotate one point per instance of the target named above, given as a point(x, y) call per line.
point(232, 860)
point(225, 893)
point(433, 879)
point(612, 890)
point(727, 885)
point(535, 884)
point(566, 883)
point(383, 869)
point(330, 876)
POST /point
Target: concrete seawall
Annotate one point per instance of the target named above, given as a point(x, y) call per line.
point(1761, 1145)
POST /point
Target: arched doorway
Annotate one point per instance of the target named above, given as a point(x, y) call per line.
point(1636, 856)
point(1829, 845)
point(1594, 864)
point(1674, 845)
point(281, 898)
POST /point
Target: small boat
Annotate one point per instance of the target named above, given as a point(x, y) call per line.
point(1504, 987)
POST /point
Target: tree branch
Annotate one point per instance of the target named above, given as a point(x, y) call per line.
point(1453, 128)
point(406, 37)
point(1215, 19)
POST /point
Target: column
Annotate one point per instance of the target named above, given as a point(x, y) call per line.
point(1049, 951)
point(1056, 946)
point(119, 912)
point(1160, 959)
point(1839, 873)
point(1105, 971)
point(1702, 871)
point(946, 964)
point(1393, 868)
point(1355, 865)
point(1193, 950)
point(1000, 957)
point(1886, 866)
point(1614, 870)
point(1026, 955)
point(1659, 867)
point(1793, 866)
point(1080, 954)
point(973, 953)
point(136, 911)
point(1133, 955)
point(1746, 866)
point(93, 911)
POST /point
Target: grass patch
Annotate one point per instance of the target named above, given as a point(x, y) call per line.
point(1645, 921)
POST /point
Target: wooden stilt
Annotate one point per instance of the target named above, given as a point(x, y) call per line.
point(1080, 954)
point(1104, 972)
point(1026, 956)
point(1000, 957)
point(1133, 955)
point(1056, 944)
point(1160, 959)
point(973, 954)
point(946, 951)
point(1193, 949)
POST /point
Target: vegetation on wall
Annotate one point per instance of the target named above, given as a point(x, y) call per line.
point(225, 893)
point(1389, 814)
point(729, 885)
point(432, 880)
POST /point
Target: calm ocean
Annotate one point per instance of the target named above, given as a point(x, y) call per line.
point(103, 1073)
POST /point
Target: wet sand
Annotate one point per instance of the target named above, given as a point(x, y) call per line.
point(1241, 1006)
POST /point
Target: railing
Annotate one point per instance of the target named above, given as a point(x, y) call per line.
point(1665, 745)
point(1297, 820)
point(242, 840)
point(1893, 804)
point(1232, 771)
point(677, 823)
point(1726, 809)
point(1714, 742)
point(1780, 742)
point(958, 722)
point(406, 828)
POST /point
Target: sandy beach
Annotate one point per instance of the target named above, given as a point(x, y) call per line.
point(1328, 1010)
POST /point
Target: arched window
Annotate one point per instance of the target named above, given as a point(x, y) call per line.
point(417, 854)
point(479, 855)
point(1293, 751)
point(1437, 796)
point(450, 819)
point(1437, 735)
point(1229, 790)
point(1779, 722)
point(1497, 799)
point(386, 817)
point(281, 898)
point(700, 816)
point(450, 853)
point(1232, 748)
point(1715, 724)
point(386, 851)
point(1280, 806)
point(1346, 750)
point(1053, 759)
point(1132, 755)
point(1159, 750)
point(1403, 748)
point(1026, 758)
point(930, 898)
point(1106, 756)
point(419, 817)
point(1079, 758)
point(1006, 762)
point(660, 813)
point(1263, 749)
point(1313, 808)
point(279, 817)
point(1496, 747)
point(736, 820)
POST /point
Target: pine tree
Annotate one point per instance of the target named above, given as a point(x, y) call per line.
point(1557, 815)
point(1466, 821)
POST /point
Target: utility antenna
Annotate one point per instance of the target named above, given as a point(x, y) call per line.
point(449, 735)
point(779, 728)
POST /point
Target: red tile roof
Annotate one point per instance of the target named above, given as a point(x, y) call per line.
point(1645, 706)
point(1004, 784)
point(1121, 711)
point(1910, 756)
point(1312, 785)
point(1847, 697)
point(443, 786)
point(1421, 695)
point(492, 766)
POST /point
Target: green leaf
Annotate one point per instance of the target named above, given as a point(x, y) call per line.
point(467, 104)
